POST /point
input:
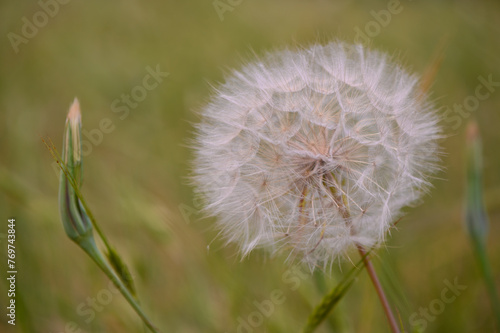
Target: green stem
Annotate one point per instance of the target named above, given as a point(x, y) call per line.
point(90, 248)
point(484, 265)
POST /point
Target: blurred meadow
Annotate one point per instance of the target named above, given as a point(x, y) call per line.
point(136, 170)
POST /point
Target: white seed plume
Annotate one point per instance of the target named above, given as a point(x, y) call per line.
point(315, 151)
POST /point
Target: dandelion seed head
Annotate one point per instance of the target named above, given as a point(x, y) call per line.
point(315, 151)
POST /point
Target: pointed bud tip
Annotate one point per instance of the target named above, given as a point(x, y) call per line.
point(74, 110)
point(472, 132)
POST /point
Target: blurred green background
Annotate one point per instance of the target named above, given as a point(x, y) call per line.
point(135, 177)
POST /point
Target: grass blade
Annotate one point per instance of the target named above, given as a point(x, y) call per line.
point(476, 219)
point(328, 302)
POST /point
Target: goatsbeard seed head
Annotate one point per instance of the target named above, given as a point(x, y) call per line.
point(315, 151)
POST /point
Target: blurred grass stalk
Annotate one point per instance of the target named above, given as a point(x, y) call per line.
point(76, 217)
point(330, 300)
point(476, 218)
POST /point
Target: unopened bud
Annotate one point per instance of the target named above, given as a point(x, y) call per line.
point(73, 215)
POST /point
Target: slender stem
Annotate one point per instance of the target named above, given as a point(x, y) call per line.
point(379, 289)
point(484, 265)
point(91, 250)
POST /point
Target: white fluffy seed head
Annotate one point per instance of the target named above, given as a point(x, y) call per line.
point(315, 151)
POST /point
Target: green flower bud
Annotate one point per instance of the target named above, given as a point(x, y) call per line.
point(73, 215)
